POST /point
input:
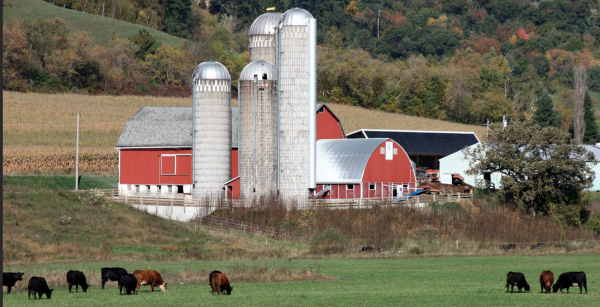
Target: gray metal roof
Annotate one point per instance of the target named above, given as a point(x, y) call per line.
point(158, 127)
point(344, 160)
point(165, 127)
point(211, 70)
point(265, 24)
point(257, 68)
point(295, 17)
point(593, 149)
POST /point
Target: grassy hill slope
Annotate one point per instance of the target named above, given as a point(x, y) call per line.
point(99, 27)
point(47, 225)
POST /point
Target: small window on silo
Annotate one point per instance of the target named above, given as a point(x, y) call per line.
point(349, 187)
point(382, 150)
point(264, 76)
point(371, 186)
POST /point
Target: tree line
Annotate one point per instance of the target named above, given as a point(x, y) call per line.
point(467, 61)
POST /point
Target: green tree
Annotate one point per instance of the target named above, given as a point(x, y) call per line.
point(178, 20)
point(145, 44)
point(590, 136)
point(541, 167)
point(545, 116)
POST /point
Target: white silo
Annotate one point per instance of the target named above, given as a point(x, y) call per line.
point(296, 91)
point(211, 149)
point(258, 131)
point(262, 37)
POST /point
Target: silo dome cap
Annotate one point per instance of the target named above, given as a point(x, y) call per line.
point(258, 68)
point(296, 17)
point(265, 24)
point(211, 70)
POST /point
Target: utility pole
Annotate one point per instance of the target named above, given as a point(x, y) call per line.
point(77, 156)
point(487, 128)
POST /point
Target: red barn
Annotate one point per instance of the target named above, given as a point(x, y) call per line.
point(328, 125)
point(363, 168)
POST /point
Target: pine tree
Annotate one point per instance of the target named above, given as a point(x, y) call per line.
point(590, 135)
point(545, 115)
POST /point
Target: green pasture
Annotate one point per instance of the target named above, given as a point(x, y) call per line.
point(99, 27)
point(443, 281)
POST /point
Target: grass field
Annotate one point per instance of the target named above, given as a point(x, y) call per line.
point(40, 129)
point(99, 27)
point(62, 182)
point(463, 281)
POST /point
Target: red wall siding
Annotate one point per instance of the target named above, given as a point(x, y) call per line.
point(142, 166)
point(327, 126)
point(234, 163)
point(396, 170)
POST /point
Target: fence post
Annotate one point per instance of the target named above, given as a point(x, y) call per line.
point(459, 196)
point(171, 205)
point(449, 197)
point(126, 199)
point(184, 205)
point(433, 197)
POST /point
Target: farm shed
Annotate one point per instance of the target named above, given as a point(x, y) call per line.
point(425, 148)
point(457, 164)
point(155, 152)
point(363, 168)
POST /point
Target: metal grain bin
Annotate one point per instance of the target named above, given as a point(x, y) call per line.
point(262, 37)
point(258, 131)
point(211, 106)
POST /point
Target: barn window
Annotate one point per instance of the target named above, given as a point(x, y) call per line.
point(170, 189)
point(371, 187)
point(128, 187)
point(137, 188)
point(147, 189)
point(321, 110)
point(350, 187)
point(395, 151)
point(179, 189)
point(158, 188)
point(325, 186)
point(382, 150)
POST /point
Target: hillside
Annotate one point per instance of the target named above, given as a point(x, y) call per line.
point(39, 129)
point(99, 27)
point(47, 225)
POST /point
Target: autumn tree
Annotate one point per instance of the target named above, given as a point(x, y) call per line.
point(541, 167)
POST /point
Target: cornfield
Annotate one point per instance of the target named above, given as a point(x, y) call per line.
point(58, 161)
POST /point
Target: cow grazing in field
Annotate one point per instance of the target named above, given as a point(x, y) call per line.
point(211, 275)
point(10, 279)
point(149, 277)
point(371, 249)
point(546, 281)
point(571, 279)
point(516, 279)
point(77, 278)
point(219, 283)
point(113, 274)
point(509, 246)
point(40, 286)
point(129, 282)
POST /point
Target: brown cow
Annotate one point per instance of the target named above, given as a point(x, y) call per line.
point(219, 283)
point(149, 277)
point(546, 280)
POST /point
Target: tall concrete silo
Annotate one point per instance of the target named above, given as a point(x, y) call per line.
point(296, 91)
point(262, 37)
point(211, 106)
point(258, 131)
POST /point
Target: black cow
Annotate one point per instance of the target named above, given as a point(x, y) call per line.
point(129, 282)
point(113, 274)
point(40, 286)
point(10, 279)
point(509, 246)
point(371, 249)
point(571, 279)
point(77, 278)
point(516, 279)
